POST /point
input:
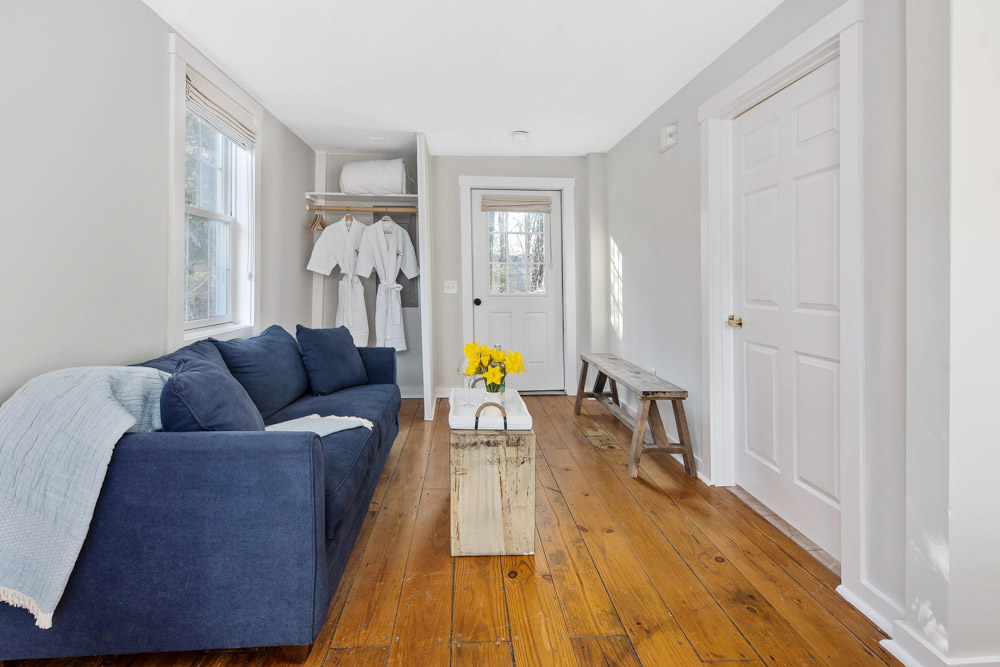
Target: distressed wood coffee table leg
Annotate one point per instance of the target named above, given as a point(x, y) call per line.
point(638, 435)
point(581, 388)
point(685, 437)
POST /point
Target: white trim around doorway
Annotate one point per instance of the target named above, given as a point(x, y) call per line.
point(567, 187)
point(838, 34)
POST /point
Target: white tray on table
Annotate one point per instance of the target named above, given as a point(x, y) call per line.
point(464, 417)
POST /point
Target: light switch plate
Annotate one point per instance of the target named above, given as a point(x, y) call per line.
point(668, 137)
point(451, 287)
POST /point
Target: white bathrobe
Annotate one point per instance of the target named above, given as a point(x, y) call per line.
point(340, 245)
point(387, 254)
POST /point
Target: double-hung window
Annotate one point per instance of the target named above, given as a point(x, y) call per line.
point(213, 259)
point(210, 189)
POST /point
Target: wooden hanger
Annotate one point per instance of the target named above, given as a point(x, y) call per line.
point(387, 224)
point(348, 219)
point(317, 223)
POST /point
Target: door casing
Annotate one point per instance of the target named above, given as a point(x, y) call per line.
point(838, 34)
point(567, 187)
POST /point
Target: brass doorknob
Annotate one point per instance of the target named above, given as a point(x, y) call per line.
point(735, 322)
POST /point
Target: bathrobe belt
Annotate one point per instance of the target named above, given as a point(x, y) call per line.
point(348, 282)
point(393, 289)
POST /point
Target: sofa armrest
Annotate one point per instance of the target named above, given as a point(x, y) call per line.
point(380, 364)
point(198, 540)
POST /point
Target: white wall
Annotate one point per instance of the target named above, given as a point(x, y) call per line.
point(83, 190)
point(653, 218)
point(447, 252)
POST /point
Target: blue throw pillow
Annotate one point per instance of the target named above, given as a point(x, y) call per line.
point(201, 349)
point(200, 396)
point(268, 366)
point(332, 359)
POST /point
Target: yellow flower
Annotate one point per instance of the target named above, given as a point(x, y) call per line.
point(514, 362)
point(493, 375)
point(496, 356)
point(472, 350)
point(472, 368)
point(485, 359)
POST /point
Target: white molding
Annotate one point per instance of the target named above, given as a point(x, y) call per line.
point(838, 34)
point(913, 650)
point(426, 271)
point(181, 48)
point(874, 604)
point(412, 392)
point(808, 51)
point(567, 186)
point(318, 279)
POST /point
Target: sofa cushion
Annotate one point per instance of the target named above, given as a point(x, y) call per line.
point(350, 456)
point(331, 358)
point(268, 366)
point(200, 396)
point(201, 349)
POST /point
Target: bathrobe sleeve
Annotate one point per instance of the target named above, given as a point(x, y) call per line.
point(366, 255)
point(324, 254)
point(409, 265)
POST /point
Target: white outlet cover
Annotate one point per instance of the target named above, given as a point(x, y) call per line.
point(451, 287)
point(668, 137)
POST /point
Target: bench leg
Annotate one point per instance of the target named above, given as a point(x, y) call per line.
point(685, 437)
point(296, 653)
point(614, 392)
point(599, 382)
point(660, 438)
point(581, 388)
point(638, 435)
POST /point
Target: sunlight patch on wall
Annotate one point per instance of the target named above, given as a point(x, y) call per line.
point(617, 291)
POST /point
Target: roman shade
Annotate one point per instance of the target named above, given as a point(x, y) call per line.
point(517, 202)
point(221, 111)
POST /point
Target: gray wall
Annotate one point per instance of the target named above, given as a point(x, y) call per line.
point(447, 252)
point(83, 190)
point(653, 218)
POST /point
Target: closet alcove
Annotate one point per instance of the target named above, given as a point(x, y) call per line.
point(414, 363)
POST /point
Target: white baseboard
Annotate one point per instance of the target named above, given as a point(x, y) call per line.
point(875, 605)
point(914, 651)
point(411, 392)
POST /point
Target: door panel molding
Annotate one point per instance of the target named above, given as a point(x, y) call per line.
point(839, 34)
point(567, 187)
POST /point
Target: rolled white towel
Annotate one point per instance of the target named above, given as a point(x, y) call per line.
point(374, 177)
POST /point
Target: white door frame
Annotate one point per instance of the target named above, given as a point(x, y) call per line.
point(567, 187)
point(838, 34)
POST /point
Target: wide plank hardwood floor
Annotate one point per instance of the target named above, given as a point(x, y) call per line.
point(659, 570)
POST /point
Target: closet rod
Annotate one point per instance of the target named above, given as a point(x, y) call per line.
point(366, 209)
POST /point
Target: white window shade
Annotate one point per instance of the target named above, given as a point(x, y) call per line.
point(515, 203)
point(221, 111)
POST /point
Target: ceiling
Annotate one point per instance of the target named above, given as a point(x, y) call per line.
point(577, 74)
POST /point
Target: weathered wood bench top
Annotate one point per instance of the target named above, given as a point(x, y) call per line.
point(640, 382)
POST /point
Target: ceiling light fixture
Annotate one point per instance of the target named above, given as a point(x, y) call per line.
point(519, 135)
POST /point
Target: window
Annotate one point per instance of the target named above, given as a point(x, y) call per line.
point(209, 215)
point(215, 162)
point(517, 252)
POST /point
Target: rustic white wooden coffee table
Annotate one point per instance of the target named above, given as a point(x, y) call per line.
point(492, 476)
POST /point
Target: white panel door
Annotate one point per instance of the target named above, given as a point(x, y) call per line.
point(786, 158)
point(517, 287)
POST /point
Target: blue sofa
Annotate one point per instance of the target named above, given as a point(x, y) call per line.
point(205, 540)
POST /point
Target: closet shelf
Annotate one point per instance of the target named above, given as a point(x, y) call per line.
point(323, 197)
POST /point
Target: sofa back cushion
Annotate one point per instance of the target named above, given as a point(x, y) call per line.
point(331, 358)
point(201, 396)
point(268, 366)
point(201, 349)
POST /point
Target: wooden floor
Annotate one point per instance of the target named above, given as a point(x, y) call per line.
point(659, 570)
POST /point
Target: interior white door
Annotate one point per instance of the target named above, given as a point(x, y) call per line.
point(517, 287)
point(786, 168)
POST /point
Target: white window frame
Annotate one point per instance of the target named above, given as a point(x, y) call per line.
point(245, 282)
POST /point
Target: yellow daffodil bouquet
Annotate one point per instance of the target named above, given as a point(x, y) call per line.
point(494, 365)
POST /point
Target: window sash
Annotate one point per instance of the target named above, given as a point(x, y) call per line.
point(229, 316)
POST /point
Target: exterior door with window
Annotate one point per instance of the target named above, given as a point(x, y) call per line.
point(786, 189)
point(517, 281)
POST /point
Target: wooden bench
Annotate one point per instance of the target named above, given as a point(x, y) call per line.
point(649, 389)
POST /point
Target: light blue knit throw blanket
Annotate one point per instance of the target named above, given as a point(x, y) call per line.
point(57, 434)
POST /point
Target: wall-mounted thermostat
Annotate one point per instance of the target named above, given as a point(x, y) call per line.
point(668, 137)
